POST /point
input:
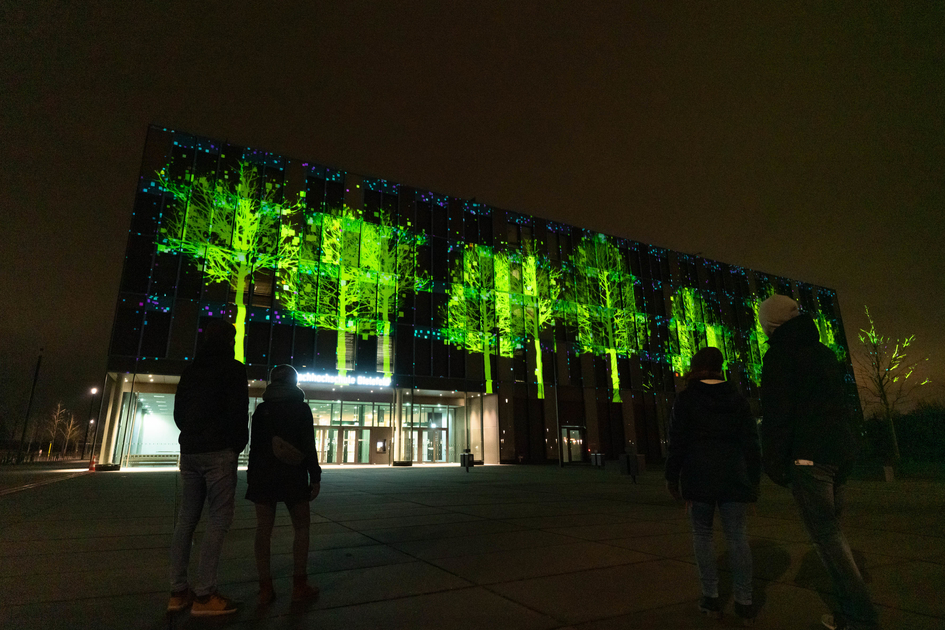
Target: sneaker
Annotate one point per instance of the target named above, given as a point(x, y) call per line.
point(829, 622)
point(213, 605)
point(745, 612)
point(709, 606)
point(180, 600)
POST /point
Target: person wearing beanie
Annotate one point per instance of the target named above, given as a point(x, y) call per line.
point(715, 462)
point(283, 468)
point(808, 445)
point(776, 310)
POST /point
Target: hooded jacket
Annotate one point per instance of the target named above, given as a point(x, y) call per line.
point(283, 412)
point(211, 407)
point(713, 445)
point(803, 402)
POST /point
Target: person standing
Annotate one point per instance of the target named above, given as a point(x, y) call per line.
point(808, 445)
point(715, 461)
point(283, 468)
point(211, 409)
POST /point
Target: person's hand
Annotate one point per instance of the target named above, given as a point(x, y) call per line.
point(673, 489)
point(313, 491)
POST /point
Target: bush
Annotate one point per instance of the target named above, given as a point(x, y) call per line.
point(921, 435)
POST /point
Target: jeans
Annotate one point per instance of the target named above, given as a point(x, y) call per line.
point(736, 537)
point(818, 491)
point(210, 478)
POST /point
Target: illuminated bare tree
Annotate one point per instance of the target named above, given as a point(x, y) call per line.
point(888, 378)
point(70, 430)
point(54, 424)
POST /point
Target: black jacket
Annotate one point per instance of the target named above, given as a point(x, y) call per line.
point(211, 407)
point(713, 445)
point(283, 412)
point(803, 402)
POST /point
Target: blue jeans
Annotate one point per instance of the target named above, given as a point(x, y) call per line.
point(210, 478)
point(818, 491)
point(736, 537)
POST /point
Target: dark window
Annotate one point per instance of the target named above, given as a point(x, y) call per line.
point(281, 344)
point(366, 353)
point(257, 342)
point(127, 330)
point(183, 330)
point(439, 216)
point(303, 348)
point(137, 270)
point(157, 326)
point(326, 343)
point(471, 228)
point(147, 211)
point(403, 350)
point(423, 310)
point(421, 357)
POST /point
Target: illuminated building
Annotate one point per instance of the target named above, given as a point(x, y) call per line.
point(422, 324)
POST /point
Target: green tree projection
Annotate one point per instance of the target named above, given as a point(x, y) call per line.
point(349, 276)
point(888, 379)
point(602, 303)
point(233, 230)
point(694, 326)
point(471, 320)
point(389, 257)
point(541, 290)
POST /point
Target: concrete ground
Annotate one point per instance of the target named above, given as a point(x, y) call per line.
point(498, 547)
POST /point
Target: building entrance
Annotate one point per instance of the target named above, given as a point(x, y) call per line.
point(572, 444)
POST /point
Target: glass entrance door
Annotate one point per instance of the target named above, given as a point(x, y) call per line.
point(343, 446)
point(431, 445)
point(572, 445)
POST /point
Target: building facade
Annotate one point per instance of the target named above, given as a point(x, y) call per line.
point(422, 325)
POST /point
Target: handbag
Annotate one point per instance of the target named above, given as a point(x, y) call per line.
point(285, 452)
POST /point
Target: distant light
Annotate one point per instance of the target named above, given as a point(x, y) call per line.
point(94, 390)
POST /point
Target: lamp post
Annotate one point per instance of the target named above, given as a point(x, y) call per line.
point(93, 391)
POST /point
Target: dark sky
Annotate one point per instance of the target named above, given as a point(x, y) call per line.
point(805, 142)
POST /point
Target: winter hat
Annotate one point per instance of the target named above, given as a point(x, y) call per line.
point(776, 310)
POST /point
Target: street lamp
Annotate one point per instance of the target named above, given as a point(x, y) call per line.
point(85, 442)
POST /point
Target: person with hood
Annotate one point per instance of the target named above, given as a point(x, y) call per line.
point(715, 462)
point(808, 445)
point(283, 468)
point(211, 409)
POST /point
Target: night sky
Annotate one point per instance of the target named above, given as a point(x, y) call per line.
point(803, 142)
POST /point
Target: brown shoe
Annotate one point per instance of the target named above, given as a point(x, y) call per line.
point(213, 605)
point(180, 600)
point(304, 593)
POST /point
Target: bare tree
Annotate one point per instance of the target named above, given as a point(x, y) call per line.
point(54, 424)
point(889, 380)
point(70, 431)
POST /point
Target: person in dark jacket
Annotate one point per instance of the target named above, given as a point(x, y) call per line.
point(715, 460)
point(808, 445)
point(285, 415)
point(211, 409)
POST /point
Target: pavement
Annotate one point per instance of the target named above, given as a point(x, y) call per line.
point(502, 547)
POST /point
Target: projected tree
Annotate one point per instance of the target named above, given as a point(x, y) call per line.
point(472, 316)
point(693, 326)
point(389, 258)
point(541, 290)
point(353, 280)
point(603, 305)
point(232, 230)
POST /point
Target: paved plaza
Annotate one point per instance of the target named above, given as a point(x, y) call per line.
point(435, 547)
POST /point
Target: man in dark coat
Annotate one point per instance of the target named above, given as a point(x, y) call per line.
point(808, 445)
point(211, 410)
